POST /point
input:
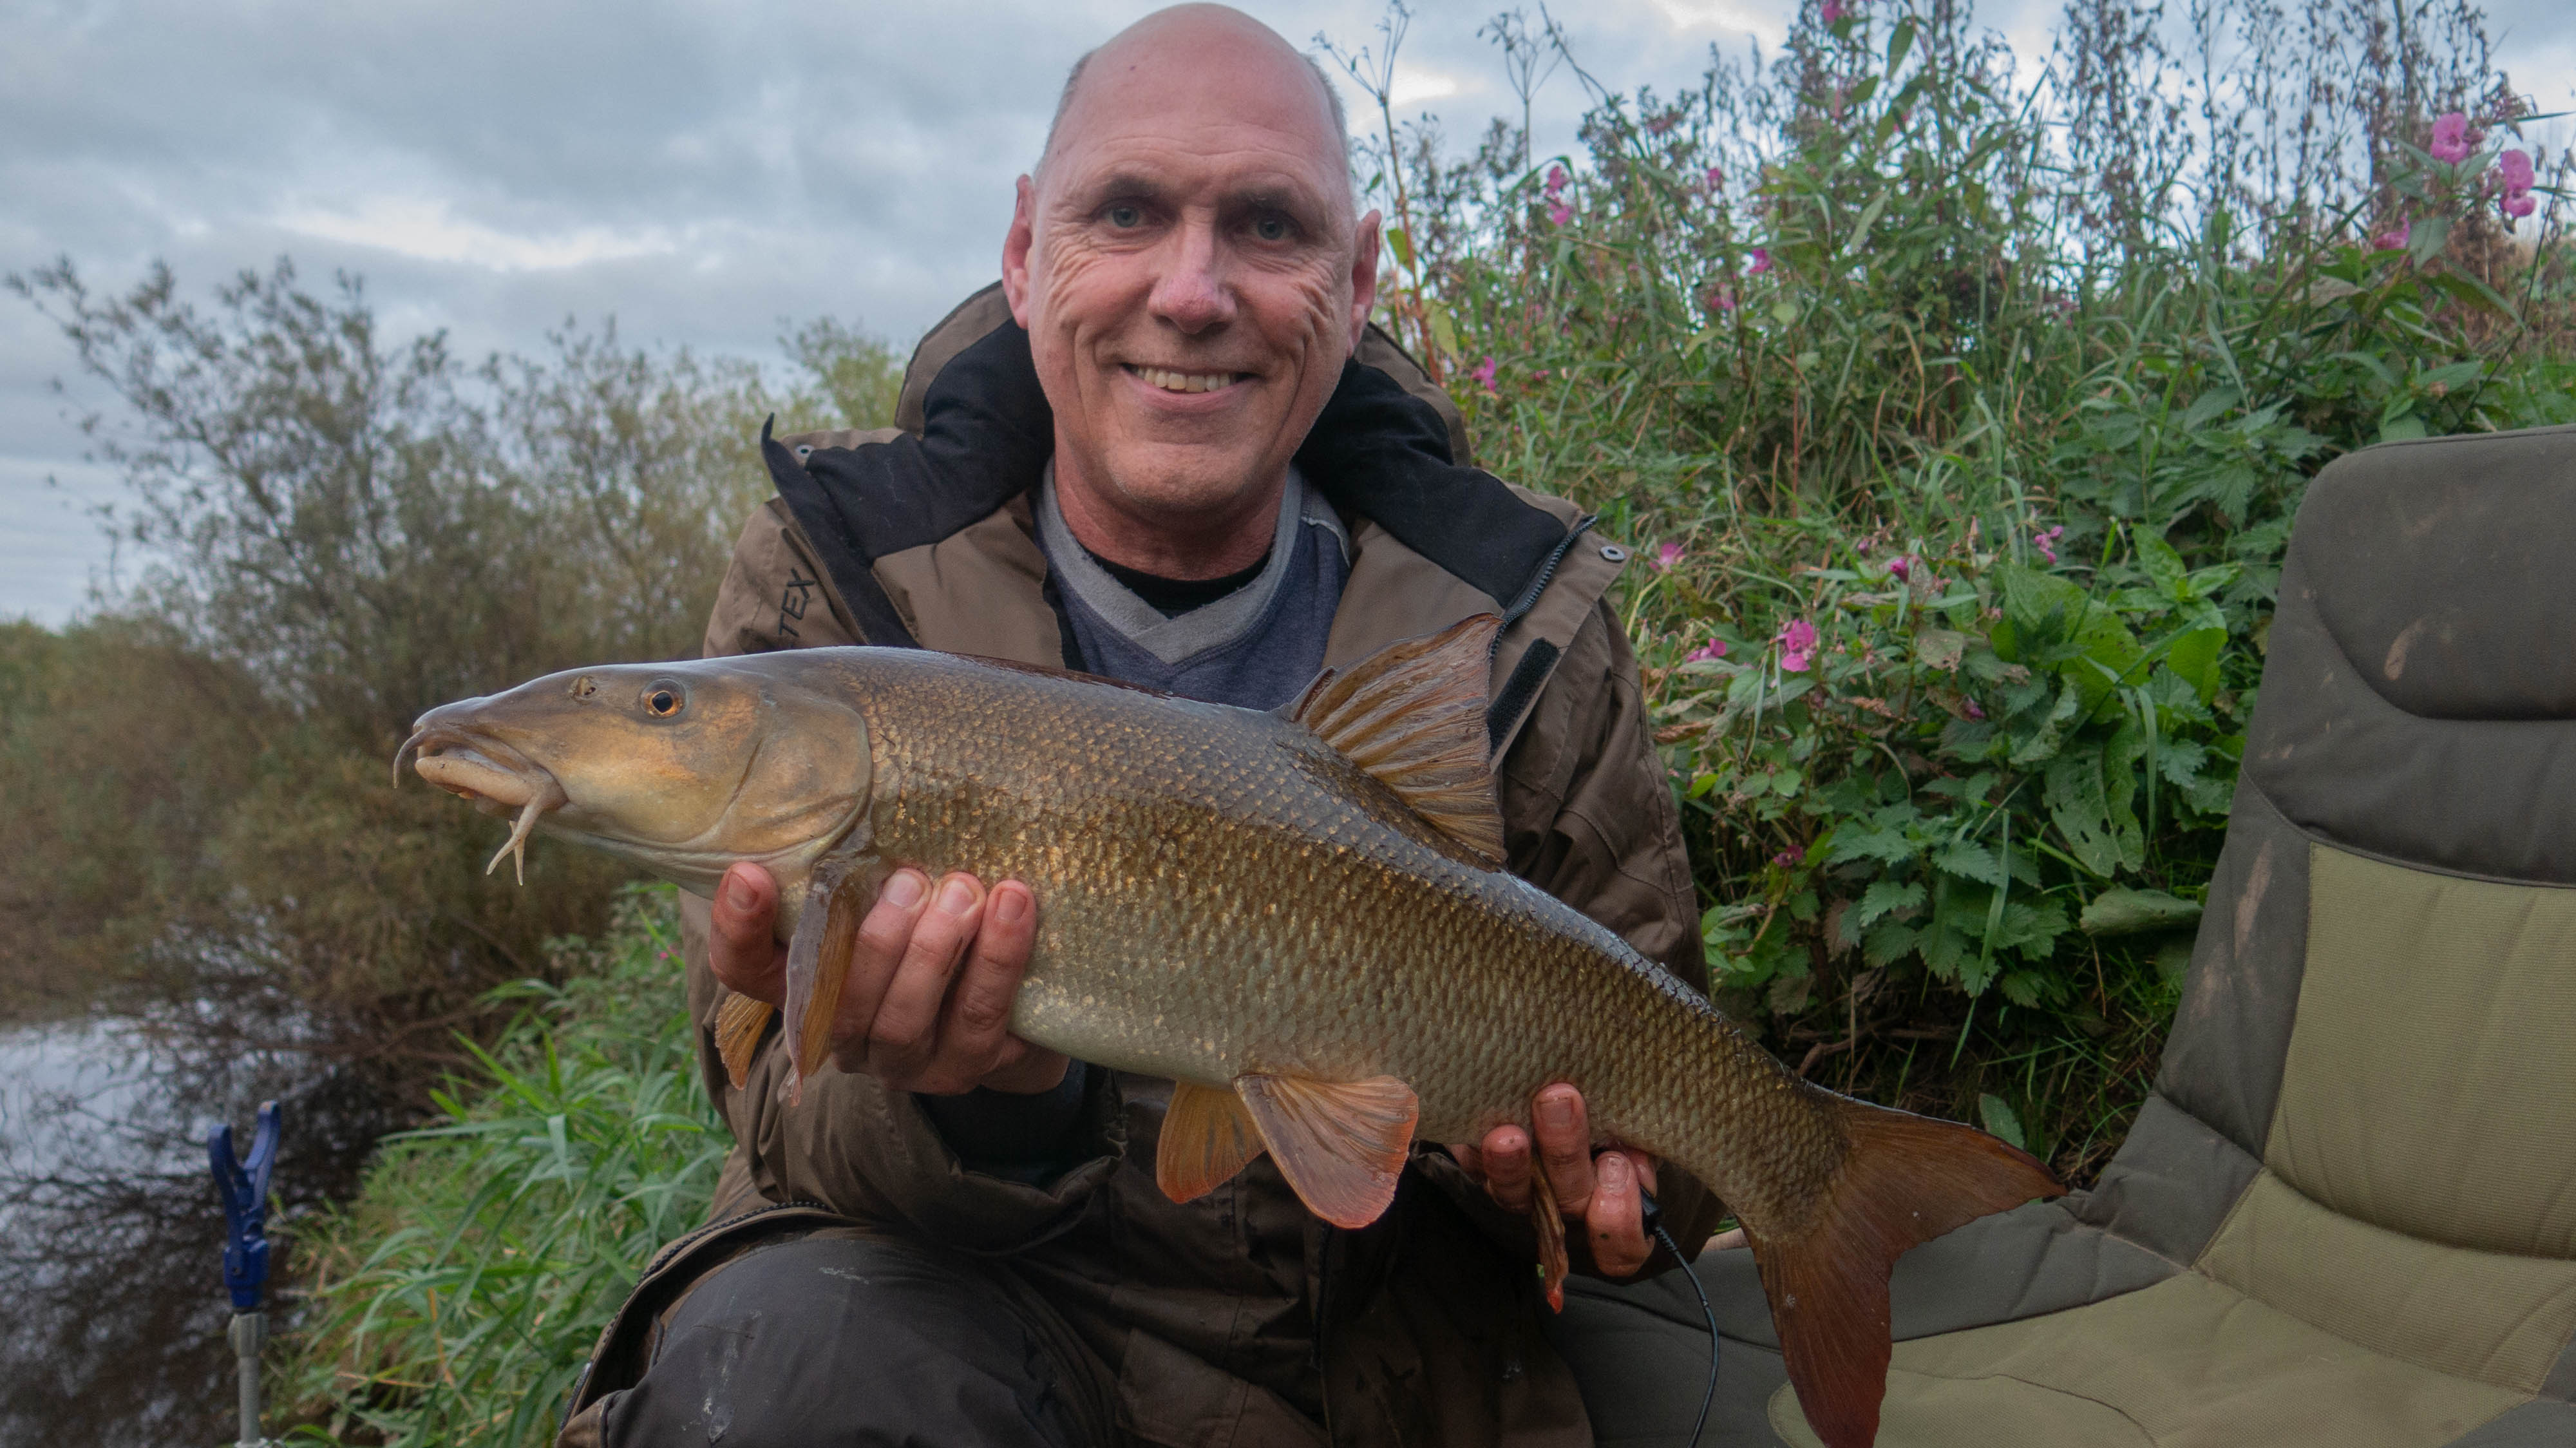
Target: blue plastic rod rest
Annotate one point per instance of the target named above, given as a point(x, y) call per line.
point(244, 1186)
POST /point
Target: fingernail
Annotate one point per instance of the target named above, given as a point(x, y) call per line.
point(737, 892)
point(957, 898)
point(1613, 1170)
point(1556, 1112)
point(1012, 905)
point(905, 890)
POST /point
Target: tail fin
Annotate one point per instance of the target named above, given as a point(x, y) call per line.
point(1905, 1180)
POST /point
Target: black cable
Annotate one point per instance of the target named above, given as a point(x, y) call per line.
point(1654, 1223)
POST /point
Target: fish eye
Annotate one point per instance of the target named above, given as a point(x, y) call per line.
point(664, 698)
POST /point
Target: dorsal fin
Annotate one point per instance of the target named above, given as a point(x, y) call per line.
point(1413, 716)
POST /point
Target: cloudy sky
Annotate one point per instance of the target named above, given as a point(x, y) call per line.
point(702, 171)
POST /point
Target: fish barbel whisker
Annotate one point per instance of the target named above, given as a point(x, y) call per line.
point(548, 796)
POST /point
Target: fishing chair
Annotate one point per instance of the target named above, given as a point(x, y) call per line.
point(2347, 1214)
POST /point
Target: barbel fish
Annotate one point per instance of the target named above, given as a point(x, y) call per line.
point(1299, 916)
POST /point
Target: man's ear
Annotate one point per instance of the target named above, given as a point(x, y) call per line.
point(1016, 245)
point(1364, 251)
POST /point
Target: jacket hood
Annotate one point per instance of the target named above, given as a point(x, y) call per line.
point(979, 431)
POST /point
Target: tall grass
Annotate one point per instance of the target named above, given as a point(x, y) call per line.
point(455, 1300)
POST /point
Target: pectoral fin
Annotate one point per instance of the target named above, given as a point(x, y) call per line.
point(1341, 1144)
point(818, 958)
point(739, 1022)
point(1207, 1138)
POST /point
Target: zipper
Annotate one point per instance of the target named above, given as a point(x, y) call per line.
point(1547, 569)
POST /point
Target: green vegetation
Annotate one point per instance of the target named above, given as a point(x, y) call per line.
point(456, 1299)
point(1960, 424)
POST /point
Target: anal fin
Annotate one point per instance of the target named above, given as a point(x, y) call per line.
point(740, 1020)
point(1207, 1137)
point(1340, 1144)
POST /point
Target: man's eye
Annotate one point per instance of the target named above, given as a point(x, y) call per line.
point(1124, 217)
point(1273, 228)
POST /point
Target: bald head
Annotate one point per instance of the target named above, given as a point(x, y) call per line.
point(1168, 43)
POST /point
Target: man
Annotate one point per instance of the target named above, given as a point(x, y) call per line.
point(1151, 455)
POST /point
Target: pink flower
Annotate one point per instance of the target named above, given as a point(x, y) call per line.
point(1862, 547)
point(1797, 640)
point(1761, 262)
point(2045, 540)
point(1785, 859)
point(1665, 122)
point(1556, 179)
point(1667, 556)
point(1708, 652)
point(2513, 168)
point(1720, 299)
point(1974, 712)
point(1560, 213)
point(2393, 240)
point(1832, 11)
point(2519, 205)
point(1540, 374)
point(1901, 568)
point(2452, 139)
point(1483, 372)
point(1716, 179)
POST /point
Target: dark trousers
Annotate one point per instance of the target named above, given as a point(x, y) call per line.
point(834, 1340)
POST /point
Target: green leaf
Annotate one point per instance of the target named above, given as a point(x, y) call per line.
point(1899, 42)
point(2000, 1121)
point(2164, 567)
point(1401, 245)
point(1939, 648)
point(2123, 911)
point(1971, 861)
point(1881, 898)
point(2082, 815)
point(2194, 658)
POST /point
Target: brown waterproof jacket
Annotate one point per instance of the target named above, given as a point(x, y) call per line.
point(1237, 1318)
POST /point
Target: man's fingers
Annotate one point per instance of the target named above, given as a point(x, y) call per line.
point(974, 1030)
point(741, 948)
point(1565, 1146)
point(904, 1036)
point(884, 934)
point(1727, 1241)
point(1506, 1154)
point(1615, 1220)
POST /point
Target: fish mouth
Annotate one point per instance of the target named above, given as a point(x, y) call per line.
point(496, 778)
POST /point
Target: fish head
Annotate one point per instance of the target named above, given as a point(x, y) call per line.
point(681, 767)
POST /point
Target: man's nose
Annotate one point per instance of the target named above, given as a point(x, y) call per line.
point(1193, 292)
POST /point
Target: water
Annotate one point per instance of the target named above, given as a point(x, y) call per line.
point(111, 1238)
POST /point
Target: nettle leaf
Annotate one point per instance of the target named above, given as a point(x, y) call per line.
point(1883, 897)
point(2163, 567)
point(2041, 743)
point(1971, 861)
point(2082, 814)
point(2000, 1121)
point(2030, 927)
point(1887, 943)
point(2120, 756)
point(2181, 761)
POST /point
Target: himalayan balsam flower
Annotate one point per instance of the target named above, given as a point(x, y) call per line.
point(1862, 547)
point(1709, 652)
point(1832, 11)
point(1974, 712)
point(1716, 180)
point(1483, 372)
point(2045, 540)
point(1797, 645)
point(2452, 140)
point(2518, 206)
point(1720, 299)
point(2393, 240)
point(1667, 556)
point(1761, 262)
point(1556, 179)
point(1901, 568)
point(2513, 168)
point(1785, 859)
point(1560, 213)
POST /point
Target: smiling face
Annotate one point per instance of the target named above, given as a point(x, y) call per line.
point(1192, 279)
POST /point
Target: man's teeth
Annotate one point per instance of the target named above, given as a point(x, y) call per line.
point(1185, 381)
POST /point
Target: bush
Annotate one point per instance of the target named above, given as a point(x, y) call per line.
point(1960, 424)
point(456, 1299)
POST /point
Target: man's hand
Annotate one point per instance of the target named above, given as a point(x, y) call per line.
point(1598, 1196)
point(933, 974)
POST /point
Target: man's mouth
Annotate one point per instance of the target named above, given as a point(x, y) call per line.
point(1172, 381)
